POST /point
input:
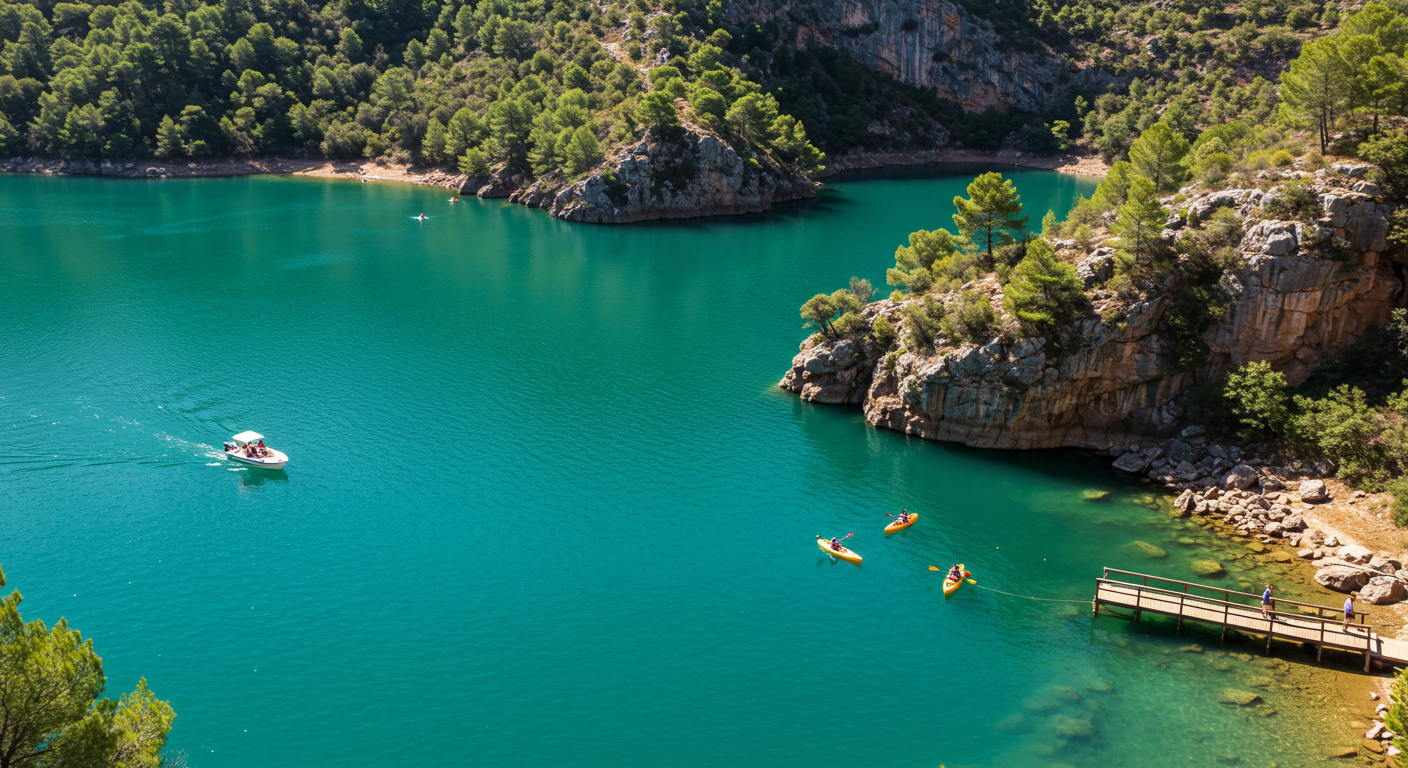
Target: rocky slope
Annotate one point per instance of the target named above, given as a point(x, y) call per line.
point(693, 174)
point(927, 43)
point(1118, 380)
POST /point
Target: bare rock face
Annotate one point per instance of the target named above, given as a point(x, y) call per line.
point(1353, 553)
point(1117, 382)
point(932, 44)
point(1341, 578)
point(692, 174)
point(828, 374)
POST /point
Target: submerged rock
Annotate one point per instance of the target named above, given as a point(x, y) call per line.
point(1239, 698)
point(1207, 568)
point(1092, 494)
point(1148, 550)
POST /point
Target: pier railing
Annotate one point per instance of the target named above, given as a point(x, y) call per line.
point(1317, 625)
point(1308, 609)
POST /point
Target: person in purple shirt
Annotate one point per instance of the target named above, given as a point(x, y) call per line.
point(1266, 603)
point(1348, 612)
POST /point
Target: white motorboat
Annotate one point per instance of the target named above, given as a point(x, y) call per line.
point(249, 449)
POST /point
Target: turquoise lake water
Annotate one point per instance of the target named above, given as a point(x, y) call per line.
point(547, 506)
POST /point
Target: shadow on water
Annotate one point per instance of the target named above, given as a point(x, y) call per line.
point(254, 477)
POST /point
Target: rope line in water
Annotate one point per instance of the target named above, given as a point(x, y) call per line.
point(1029, 597)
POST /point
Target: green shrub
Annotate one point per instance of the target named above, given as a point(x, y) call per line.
point(1257, 395)
point(1399, 490)
point(972, 320)
point(1298, 201)
point(882, 332)
point(923, 321)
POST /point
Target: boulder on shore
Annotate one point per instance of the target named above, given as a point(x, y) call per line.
point(1353, 553)
point(1383, 590)
point(1314, 491)
point(1240, 477)
point(1341, 578)
point(1132, 462)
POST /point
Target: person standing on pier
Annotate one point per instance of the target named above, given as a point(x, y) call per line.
point(1266, 603)
point(1348, 612)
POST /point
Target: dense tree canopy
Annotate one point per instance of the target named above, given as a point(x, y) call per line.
point(520, 84)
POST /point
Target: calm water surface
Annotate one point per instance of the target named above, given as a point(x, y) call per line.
point(546, 504)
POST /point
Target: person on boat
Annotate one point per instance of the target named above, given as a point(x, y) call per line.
point(454, 199)
point(904, 516)
point(835, 545)
point(955, 573)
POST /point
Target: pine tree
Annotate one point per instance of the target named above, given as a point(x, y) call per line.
point(583, 152)
point(169, 142)
point(1139, 226)
point(1043, 292)
point(1317, 84)
point(991, 212)
point(1161, 156)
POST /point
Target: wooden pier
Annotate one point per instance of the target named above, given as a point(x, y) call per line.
point(1317, 625)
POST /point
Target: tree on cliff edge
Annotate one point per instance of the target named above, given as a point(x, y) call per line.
point(1043, 292)
point(991, 213)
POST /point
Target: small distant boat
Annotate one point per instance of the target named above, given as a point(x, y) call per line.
point(249, 449)
point(843, 553)
point(898, 526)
point(952, 586)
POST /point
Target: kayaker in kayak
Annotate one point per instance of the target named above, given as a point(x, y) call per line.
point(835, 545)
point(904, 515)
point(955, 573)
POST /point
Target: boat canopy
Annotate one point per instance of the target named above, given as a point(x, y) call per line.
point(247, 437)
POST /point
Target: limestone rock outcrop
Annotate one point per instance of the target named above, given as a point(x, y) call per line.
point(693, 174)
point(935, 44)
point(1115, 382)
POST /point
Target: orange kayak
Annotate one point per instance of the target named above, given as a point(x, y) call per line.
point(843, 553)
point(952, 586)
point(898, 526)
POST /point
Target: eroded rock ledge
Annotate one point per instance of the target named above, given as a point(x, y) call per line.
point(694, 174)
point(1118, 382)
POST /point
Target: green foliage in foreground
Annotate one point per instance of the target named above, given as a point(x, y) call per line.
point(51, 713)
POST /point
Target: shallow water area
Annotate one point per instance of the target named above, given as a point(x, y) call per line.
point(546, 505)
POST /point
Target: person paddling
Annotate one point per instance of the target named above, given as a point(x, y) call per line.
point(904, 516)
point(835, 544)
point(955, 573)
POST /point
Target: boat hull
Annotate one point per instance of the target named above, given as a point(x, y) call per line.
point(844, 554)
point(898, 526)
point(277, 461)
point(952, 586)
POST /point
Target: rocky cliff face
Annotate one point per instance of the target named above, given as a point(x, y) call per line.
point(928, 43)
point(1118, 382)
point(693, 174)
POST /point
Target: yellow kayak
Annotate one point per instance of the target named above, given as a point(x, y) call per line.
point(898, 526)
point(843, 553)
point(951, 586)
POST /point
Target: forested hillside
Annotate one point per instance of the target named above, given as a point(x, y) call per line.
point(536, 85)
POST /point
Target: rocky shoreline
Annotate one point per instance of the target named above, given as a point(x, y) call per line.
point(634, 185)
point(1273, 505)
